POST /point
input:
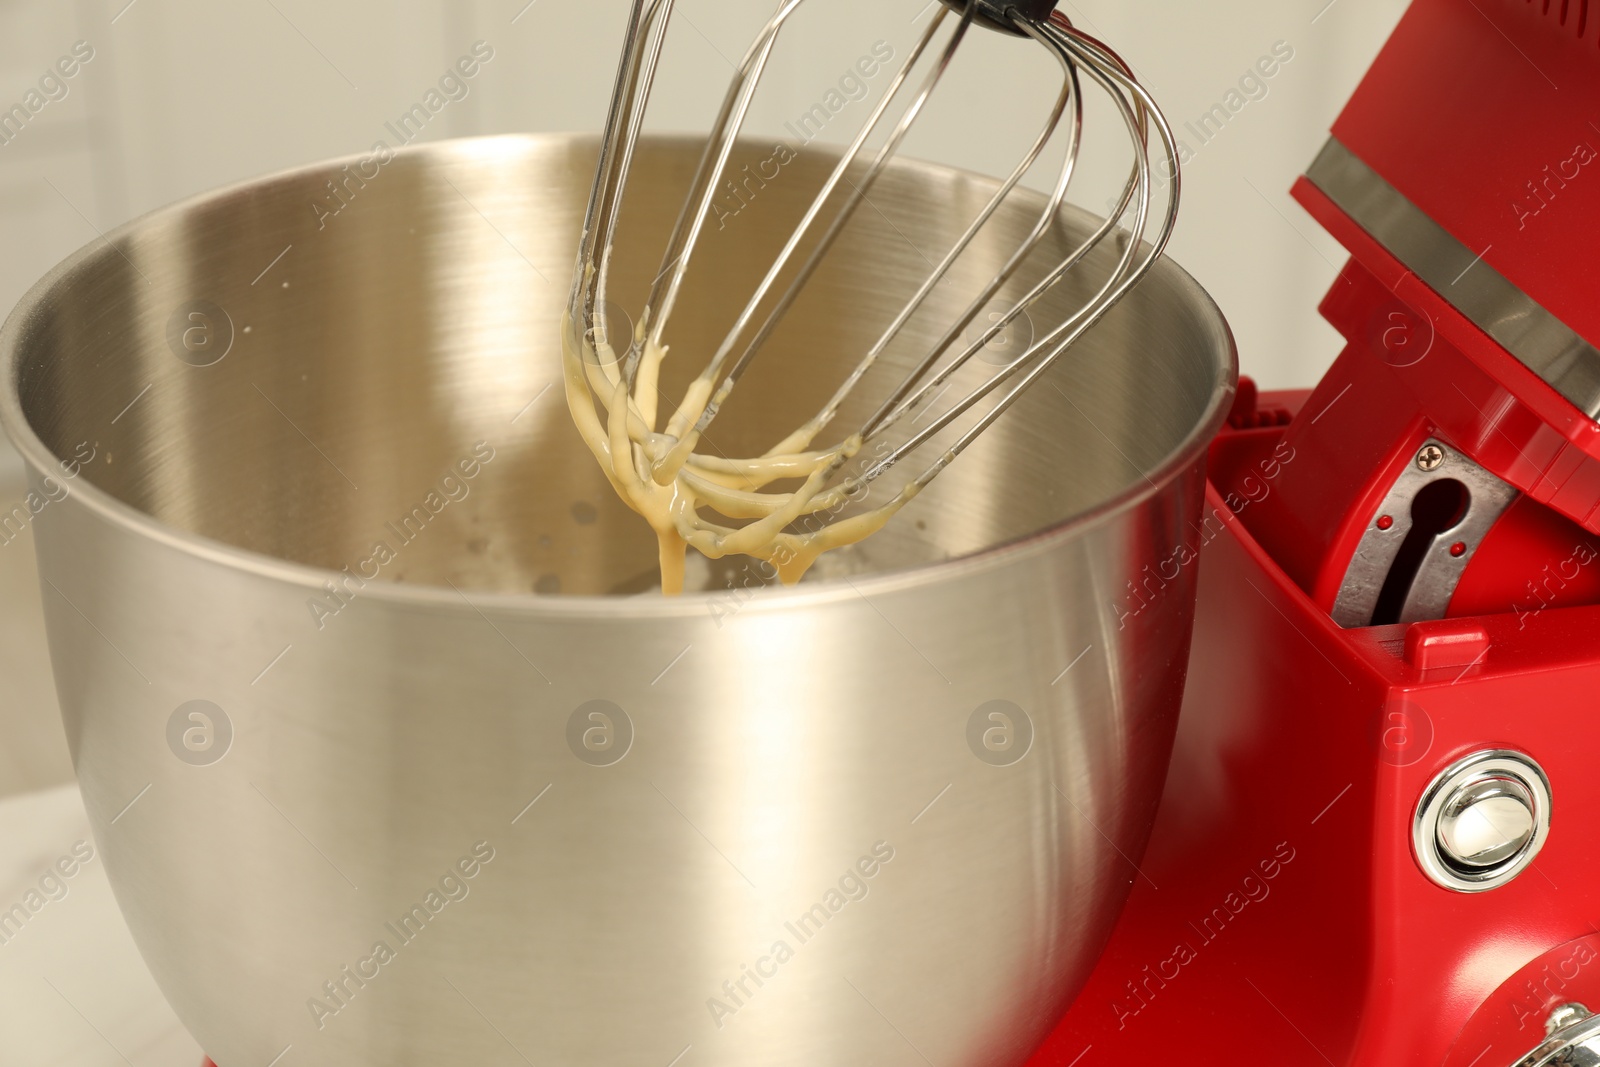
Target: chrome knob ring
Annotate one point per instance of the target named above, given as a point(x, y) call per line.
point(1482, 820)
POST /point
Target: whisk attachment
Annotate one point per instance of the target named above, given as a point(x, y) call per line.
point(612, 383)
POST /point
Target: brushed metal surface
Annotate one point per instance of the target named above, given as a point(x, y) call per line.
point(1439, 573)
point(33, 756)
point(1491, 301)
point(773, 738)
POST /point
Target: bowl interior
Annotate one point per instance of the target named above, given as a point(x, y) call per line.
point(358, 365)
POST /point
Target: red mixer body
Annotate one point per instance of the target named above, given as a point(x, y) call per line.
point(1355, 637)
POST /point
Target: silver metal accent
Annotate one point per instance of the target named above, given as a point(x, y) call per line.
point(1545, 345)
point(416, 721)
point(1572, 1040)
point(1565, 1015)
point(1436, 580)
point(1468, 833)
point(662, 453)
point(1486, 823)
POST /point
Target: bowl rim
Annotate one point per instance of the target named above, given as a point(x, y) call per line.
point(40, 459)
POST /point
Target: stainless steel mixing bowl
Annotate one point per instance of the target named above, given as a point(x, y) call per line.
point(380, 780)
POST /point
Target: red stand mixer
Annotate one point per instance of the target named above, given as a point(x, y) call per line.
point(1372, 849)
point(1373, 846)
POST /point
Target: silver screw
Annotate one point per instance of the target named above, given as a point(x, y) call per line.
point(1431, 458)
point(1565, 1016)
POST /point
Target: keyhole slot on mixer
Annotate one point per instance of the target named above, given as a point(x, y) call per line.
point(1438, 507)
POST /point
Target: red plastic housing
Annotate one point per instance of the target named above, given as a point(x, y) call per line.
point(1471, 111)
point(1459, 114)
point(1278, 915)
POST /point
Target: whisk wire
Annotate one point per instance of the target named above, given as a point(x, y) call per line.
point(1071, 92)
point(667, 467)
point(641, 48)
point(1122, 280)
point(713, 164)
point(644, 464)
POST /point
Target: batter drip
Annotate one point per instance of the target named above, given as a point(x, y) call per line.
point(661, 476)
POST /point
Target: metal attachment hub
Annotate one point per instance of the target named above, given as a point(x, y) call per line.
point(1421, 540)
point(1572, 1040)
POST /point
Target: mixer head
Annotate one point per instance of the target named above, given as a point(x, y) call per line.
point(1005, 15)
point(660, 471)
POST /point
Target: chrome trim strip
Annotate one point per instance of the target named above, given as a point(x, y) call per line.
point(1541, 341)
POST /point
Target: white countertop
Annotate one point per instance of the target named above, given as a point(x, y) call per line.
point(74, 991)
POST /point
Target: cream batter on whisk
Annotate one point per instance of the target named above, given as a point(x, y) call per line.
point(660, 473)
point(663, 478)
